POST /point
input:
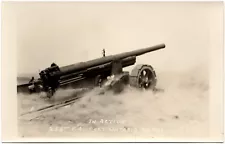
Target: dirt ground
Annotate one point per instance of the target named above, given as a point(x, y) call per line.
point(181, 111)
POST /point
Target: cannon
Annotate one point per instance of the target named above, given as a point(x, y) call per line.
point(106, 72)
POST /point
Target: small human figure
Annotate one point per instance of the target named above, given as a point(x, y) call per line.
point(103, 52)
point(32, 80)
point(32, 86)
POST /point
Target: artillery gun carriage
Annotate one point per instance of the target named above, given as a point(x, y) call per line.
point(106, 71)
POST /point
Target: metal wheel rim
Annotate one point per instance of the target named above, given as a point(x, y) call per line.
point(145, 78)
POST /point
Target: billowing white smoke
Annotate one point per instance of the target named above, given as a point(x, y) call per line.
point(181, 108)
point(180, 111)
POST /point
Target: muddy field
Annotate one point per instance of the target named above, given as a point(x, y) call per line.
point(181, 111)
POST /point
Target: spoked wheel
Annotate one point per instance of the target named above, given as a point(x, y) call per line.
point(143, 76)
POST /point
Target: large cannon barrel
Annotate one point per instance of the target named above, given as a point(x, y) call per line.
point(99, 61)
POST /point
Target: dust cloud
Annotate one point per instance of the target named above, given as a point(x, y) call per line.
point(180, 111)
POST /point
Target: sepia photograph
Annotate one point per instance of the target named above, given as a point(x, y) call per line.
point(120, 71)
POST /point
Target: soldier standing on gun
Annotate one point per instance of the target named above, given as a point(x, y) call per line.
point(103, 52)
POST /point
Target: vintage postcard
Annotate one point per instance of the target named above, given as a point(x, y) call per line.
point(112, 71)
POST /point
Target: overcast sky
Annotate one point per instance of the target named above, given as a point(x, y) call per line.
point(67, 33)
